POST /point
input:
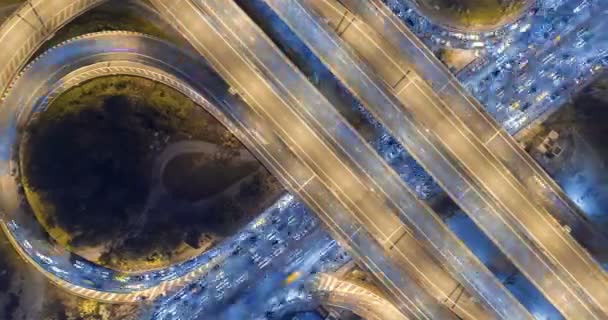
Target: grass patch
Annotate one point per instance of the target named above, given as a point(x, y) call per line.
point(473, 12)
point(45, 213)
point(86, 161)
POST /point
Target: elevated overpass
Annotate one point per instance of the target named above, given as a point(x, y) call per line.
point(71, 67)
point(65, 72)
point(262, 138)
point(218, 22)
point(351, 296)
point(401, 85)
point(120, 67)
point(32, 24)
point(68, 65)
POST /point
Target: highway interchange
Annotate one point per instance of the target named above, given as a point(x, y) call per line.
point(416, 97)
point(240, 265)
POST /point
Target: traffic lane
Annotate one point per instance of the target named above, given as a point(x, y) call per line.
point(482, 209)
point(571, 259)
point(472, 162)
point(362, 198)
point(251, 38)
point(527, 46)
point(469, 155)
point(107, 65)
point(101, 294)
point(78, 74)
point(351, 191)
point(361, 89)
point(358, 299)
point(25, 31)
point(396, 69)
point(471, 113)
point(285, 272)
point(405, 287)
point(379, 17)
point(229, 288)
point(581, 231)
point(338, 176)
point(524, 54)
point(325, 56)
point(232, 63)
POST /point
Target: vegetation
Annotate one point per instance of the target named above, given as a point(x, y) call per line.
point(587, 114)
point(473, 12)
point(87, 160)
point(59, 305)
point(197, 176)
point(4, 3)
point(111, 16)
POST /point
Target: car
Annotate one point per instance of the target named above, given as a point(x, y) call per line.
point(548, 58)
point(122, 278)
point(542, 96)
point(581, 6)
point(59, 271)
point(27, 244)
point(13, 225)
point(44, 259)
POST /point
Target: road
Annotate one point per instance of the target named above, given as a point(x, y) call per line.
point(435, 33)
point(137, 70)
point(134, 54)
point(329, 171)
point(539, 69)
point(34, 91)
point(30, 26)
point(444, 132)
point(423, 222)
point(519, 89)
point(138, 55)
point(256, 263)
point(528, 173)
point(341, 294)
point(35, 86)
point(25, 30)
point(44, 81)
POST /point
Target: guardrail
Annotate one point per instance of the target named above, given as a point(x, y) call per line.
point(26, 29)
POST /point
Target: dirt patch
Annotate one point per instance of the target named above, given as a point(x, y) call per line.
point(195, 177)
